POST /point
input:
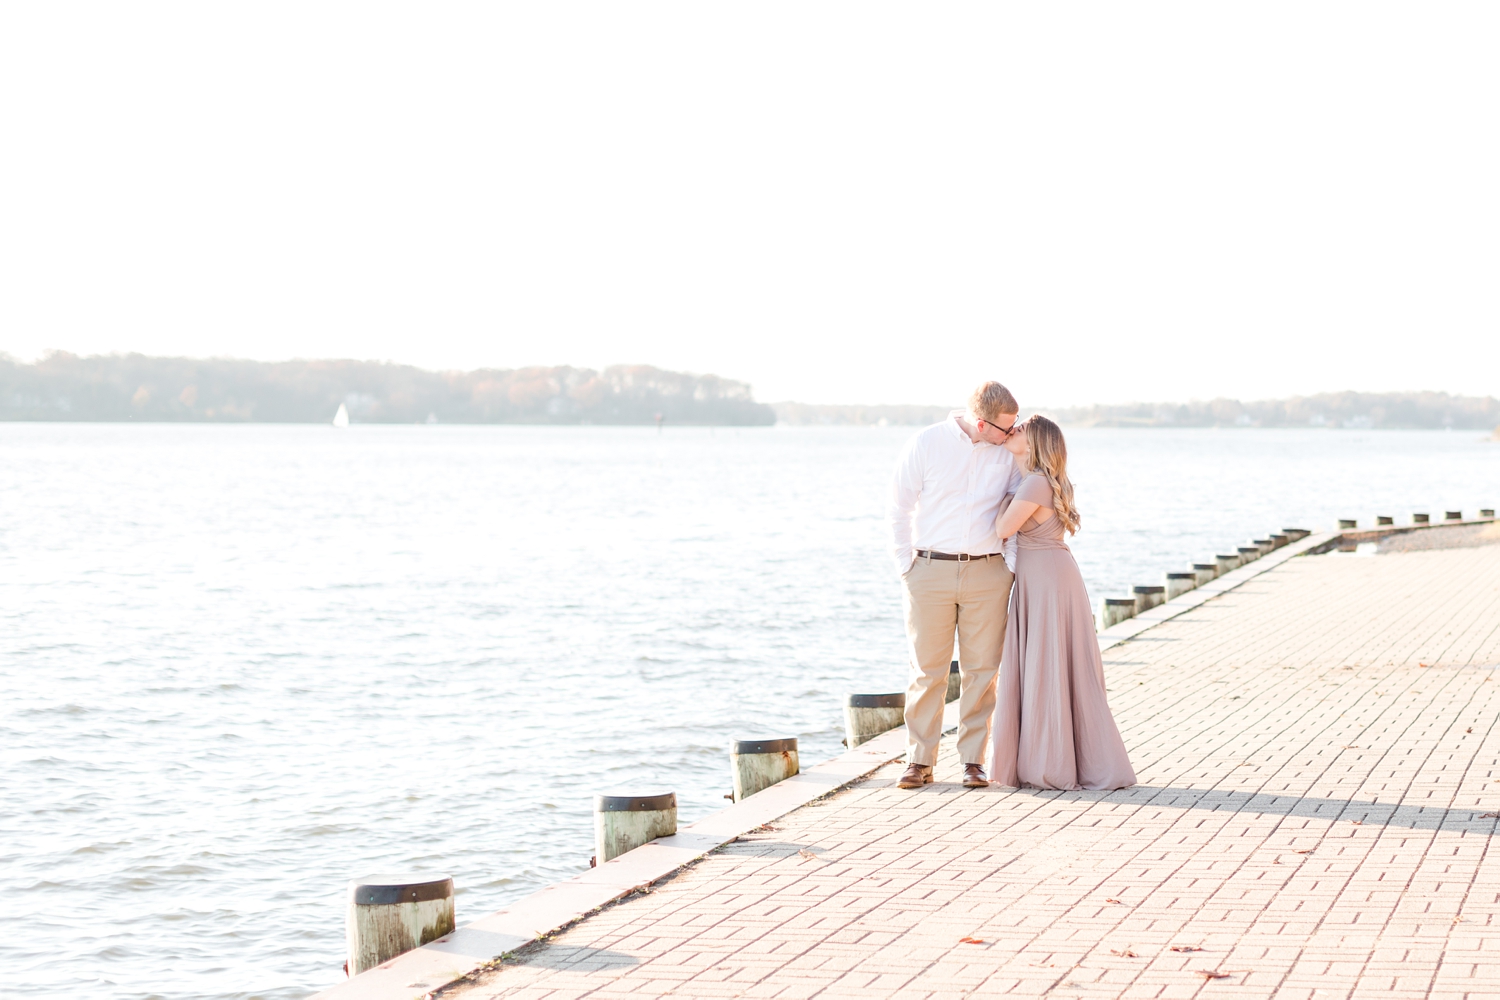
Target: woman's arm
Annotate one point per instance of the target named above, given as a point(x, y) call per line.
point(1012, 516)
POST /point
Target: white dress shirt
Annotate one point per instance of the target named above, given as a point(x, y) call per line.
point(947, 493)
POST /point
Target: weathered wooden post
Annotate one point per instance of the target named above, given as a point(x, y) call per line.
point(758, 764)
point(624, 821)
point(1346, 523)
point(1420, 519)
point(1113, 610)
point(389, 915)
point(1179, 583)
point(1453, 515)
point(954, 685)
point(866, 716)
point(1264, 544)
point(1148, 597)
point(1381, 520)
point(1205, 572)
point(1249, 553)
point(1227, 562)
point(1279, 539)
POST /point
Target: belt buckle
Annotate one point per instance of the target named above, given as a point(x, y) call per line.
point(965, 557)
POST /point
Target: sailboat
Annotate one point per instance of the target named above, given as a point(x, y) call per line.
point(341, 418)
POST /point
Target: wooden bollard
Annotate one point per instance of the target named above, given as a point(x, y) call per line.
point(1205, 572)
point(1453, 515)
point(1180, 583)
point(1295, 534)
point(389, 915)
point(954, 683)
point(1347, 522)
point(624, 821)
point(1278, 539)
point(866, 716)
point(1381, 519)
point(1227, 562)
point(1265, 545)
point(1148, 597)
point(760, 764)
point(1488, 512)
point(1114, 610)
point(1420, 519)
point(1249, 553)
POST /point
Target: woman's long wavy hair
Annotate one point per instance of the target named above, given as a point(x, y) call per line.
point(1049, 456)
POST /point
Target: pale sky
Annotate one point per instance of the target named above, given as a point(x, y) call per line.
point(837, 202)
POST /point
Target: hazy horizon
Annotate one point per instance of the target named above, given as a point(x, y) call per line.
point(137, 387)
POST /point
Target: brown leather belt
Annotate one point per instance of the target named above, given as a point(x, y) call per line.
point(929, 554)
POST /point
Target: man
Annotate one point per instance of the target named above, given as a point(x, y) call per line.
point(949, 482)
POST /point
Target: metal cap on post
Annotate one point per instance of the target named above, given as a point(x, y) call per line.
point(955, 685)
point(1180, 583)
point(758, 764)
point(627, 819)
point(389, 915)
point(1113, 610)
point(866, 716)
point(1147, 597)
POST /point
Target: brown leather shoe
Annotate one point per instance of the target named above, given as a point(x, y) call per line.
point(916, 776)
point(974, 776)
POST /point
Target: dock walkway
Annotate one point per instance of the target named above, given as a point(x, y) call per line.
point(1319, 761)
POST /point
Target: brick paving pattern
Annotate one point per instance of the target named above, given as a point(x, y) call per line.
point(1319, 763)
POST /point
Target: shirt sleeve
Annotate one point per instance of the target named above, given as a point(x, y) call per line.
point(1036, 489)
point(906, 487)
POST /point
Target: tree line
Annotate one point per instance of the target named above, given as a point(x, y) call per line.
point(117, 387)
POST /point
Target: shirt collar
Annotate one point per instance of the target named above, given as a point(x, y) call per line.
point(958, 431)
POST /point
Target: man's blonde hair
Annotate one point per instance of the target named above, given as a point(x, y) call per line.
point(992, 400)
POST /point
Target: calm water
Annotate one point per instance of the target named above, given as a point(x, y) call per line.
point(239, 665)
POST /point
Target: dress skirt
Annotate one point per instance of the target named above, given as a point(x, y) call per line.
point(1052, 726)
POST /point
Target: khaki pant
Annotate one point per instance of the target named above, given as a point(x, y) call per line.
point(941, 595)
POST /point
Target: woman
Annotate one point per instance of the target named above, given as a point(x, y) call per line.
point(1052, 726)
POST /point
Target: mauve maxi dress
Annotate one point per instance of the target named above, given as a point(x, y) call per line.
point(1053, 728)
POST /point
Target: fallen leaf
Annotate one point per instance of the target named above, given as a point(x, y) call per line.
point(1212, 975)
point(1358, 822)
point(1307, 851)
point(1458, 920)
point(1490, 816)
point(1351, 746)
point(1185, 947)
point(1111, 900)
point(1469, 730)
point(1424, 664)
point(806, 853)
point(1123, 953)
point(971, 940)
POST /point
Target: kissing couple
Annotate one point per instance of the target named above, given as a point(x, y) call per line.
point(978, 512)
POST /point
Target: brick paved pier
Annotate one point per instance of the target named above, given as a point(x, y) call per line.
point(1319, 762)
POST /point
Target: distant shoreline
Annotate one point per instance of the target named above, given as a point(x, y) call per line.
point(135, 388)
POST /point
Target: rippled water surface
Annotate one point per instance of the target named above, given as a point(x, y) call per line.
point(240, 665)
